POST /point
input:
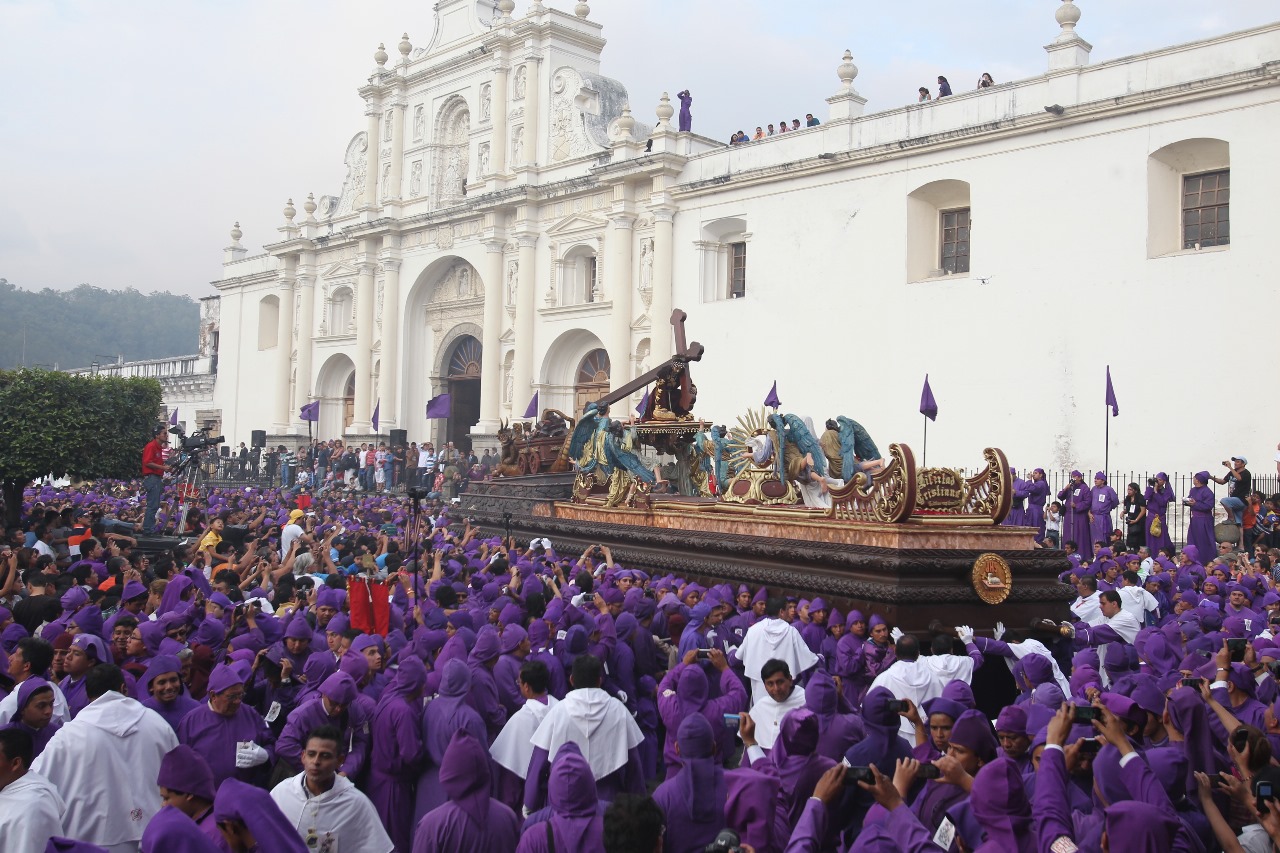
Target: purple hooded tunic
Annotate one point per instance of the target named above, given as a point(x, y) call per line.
point(340, 690)
point(39, 737)
point(215, 736)
point(575, 823)
point(1076, 497)
point(260, 815)
point(1200, 528)
point(694, 798)
point(999, 803)
point(445, 715)
point(469, 821)
point(1102, 501)
point(683, 692)
point(837, 732)
point(397, 751)
point(172, 712)
point(1158, 501)
point(171, 831)
point(794, 762)
point(483, 695)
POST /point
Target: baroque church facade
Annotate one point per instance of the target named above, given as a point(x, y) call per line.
point(512, 222)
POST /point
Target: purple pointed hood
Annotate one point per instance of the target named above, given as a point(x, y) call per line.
point(999, 802)
point(464, 776)
point(240, 801)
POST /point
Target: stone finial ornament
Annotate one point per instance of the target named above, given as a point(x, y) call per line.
point(665, 111)
point(289, 211)
point(1068, 15)
point(380, 55)
point(506, 7)
point(847, 71)
point(310, 207)
point(582, 10)
point(404, 47)
point(236, 234)
point(626, 122)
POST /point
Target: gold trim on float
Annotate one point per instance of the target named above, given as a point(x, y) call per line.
point(992, 578)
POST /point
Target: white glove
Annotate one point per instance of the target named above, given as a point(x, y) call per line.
point(896, 634)
point(249, 754)
point(965, 633)
point(622, 696)
point(999, 630)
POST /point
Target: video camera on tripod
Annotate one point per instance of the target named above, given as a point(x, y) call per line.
point(198, 440)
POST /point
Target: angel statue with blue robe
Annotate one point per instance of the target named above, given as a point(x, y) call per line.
point(849, 450)
point(586, 446)
point(627, 475)
point(803, 462)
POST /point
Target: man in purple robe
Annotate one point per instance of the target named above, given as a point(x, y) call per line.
point(251, 821)
point(1102, 501)
point(1076, 497)
point(186, 784)
point(446, 714)
point(686, 115)
point(171, 831)
point(575, 818)
point(1156, 525)
point(398, 750)
point(470, 821)
point(86, 652)
point(34, 714)
point(694, 798)
point(684, 691)
point(514, 645)
point(333, 706)
point(161, 689)
point(1200, 528)
point(231, 735)
point(484, 695)
point(1037, 494)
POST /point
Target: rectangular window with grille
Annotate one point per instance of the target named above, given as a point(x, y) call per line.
point(590, 295)
point(1206, 203)
point(954, 240)
point(737, 270)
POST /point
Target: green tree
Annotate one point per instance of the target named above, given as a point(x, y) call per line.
point(80, 426)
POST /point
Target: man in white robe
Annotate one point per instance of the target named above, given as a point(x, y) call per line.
point(781, 695)
point(326, 809)
point(923, 678)
point(105, 762)
point(773, 638)
point(1086, 607)
point(31, 659)
point(513, 747)
point(30, 807)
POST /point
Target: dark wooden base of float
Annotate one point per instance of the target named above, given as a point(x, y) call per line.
point(911, 573)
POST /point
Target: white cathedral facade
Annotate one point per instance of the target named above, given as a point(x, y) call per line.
point(512, 222)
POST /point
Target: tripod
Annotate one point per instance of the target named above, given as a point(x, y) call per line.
point(189, 479)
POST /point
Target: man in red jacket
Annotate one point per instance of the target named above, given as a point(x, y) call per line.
point(153, 476)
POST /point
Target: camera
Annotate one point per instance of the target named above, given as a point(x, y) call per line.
point(1195, 683)
point(1084, 715)
point(417, 493)
point(854, 775)
point(1236, 647)
point(198, 440)
point(731, 721)
point(704, 654)
point(929, 771)
point(897, 706)
point(727, 841)
point(1089, 746)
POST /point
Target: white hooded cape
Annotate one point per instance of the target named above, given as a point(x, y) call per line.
point(599, 724)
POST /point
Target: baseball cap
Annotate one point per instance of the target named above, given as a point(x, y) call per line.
point(1241, 458)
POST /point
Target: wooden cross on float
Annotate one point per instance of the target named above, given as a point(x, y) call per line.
point(684, 353)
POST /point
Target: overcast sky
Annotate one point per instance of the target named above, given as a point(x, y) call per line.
point(134, 133)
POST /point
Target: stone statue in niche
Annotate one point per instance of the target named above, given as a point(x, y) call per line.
point(387, 119)
point(486, 102)
point(646, 265)
point(519, 88)
point(642, 360)
point(464, 283)
point(452, 187)
point(517, 145)
point(415, 179)
point(513, 275)
point(508, 383)
point(419, 122)
point(482, 160)
point(386, 181)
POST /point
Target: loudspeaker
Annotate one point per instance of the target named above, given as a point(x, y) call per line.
point(259, 438)
point(399, 437)
point(225, 451)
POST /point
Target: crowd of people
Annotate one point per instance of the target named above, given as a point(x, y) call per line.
point(372, 673)
point(741, 138)
point(944, 87)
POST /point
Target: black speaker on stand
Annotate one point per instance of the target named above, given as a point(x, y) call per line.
point(399, 437)
point(259, 438)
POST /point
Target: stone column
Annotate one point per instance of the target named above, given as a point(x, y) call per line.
point(306, 324)
point(618, 288)
point(397, 155)
point(533, 97)
point(389, 375)
point(366, 263)
point(661, 340)
point(490, 342)
point(498, 139)
point(522, 370)
point(284, 343)
point(373, 165)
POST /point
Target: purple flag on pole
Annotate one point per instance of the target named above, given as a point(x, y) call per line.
point(644, 403)
point(928, 405)
point(310, 412)
point(376, 407)
point(439, 407)
point(772, 400)
point(1111, 395)
point(173, 419)
point(531, 410)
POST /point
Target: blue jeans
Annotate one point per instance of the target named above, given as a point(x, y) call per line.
point(153, 484)
point(1236, 507)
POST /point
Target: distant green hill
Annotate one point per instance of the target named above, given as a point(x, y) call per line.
point(74, 328)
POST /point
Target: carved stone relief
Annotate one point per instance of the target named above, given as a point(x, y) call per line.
point(356, 160)
point(388, 119)
point(486, 102)
point(517, 91)
point(415, 179)
point(482, 160)
point(419, 122)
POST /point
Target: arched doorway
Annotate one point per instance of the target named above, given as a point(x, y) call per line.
point(592, 381)
point(463, 375)
point(336, 392)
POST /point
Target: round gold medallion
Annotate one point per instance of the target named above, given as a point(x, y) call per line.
point(992, 579)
